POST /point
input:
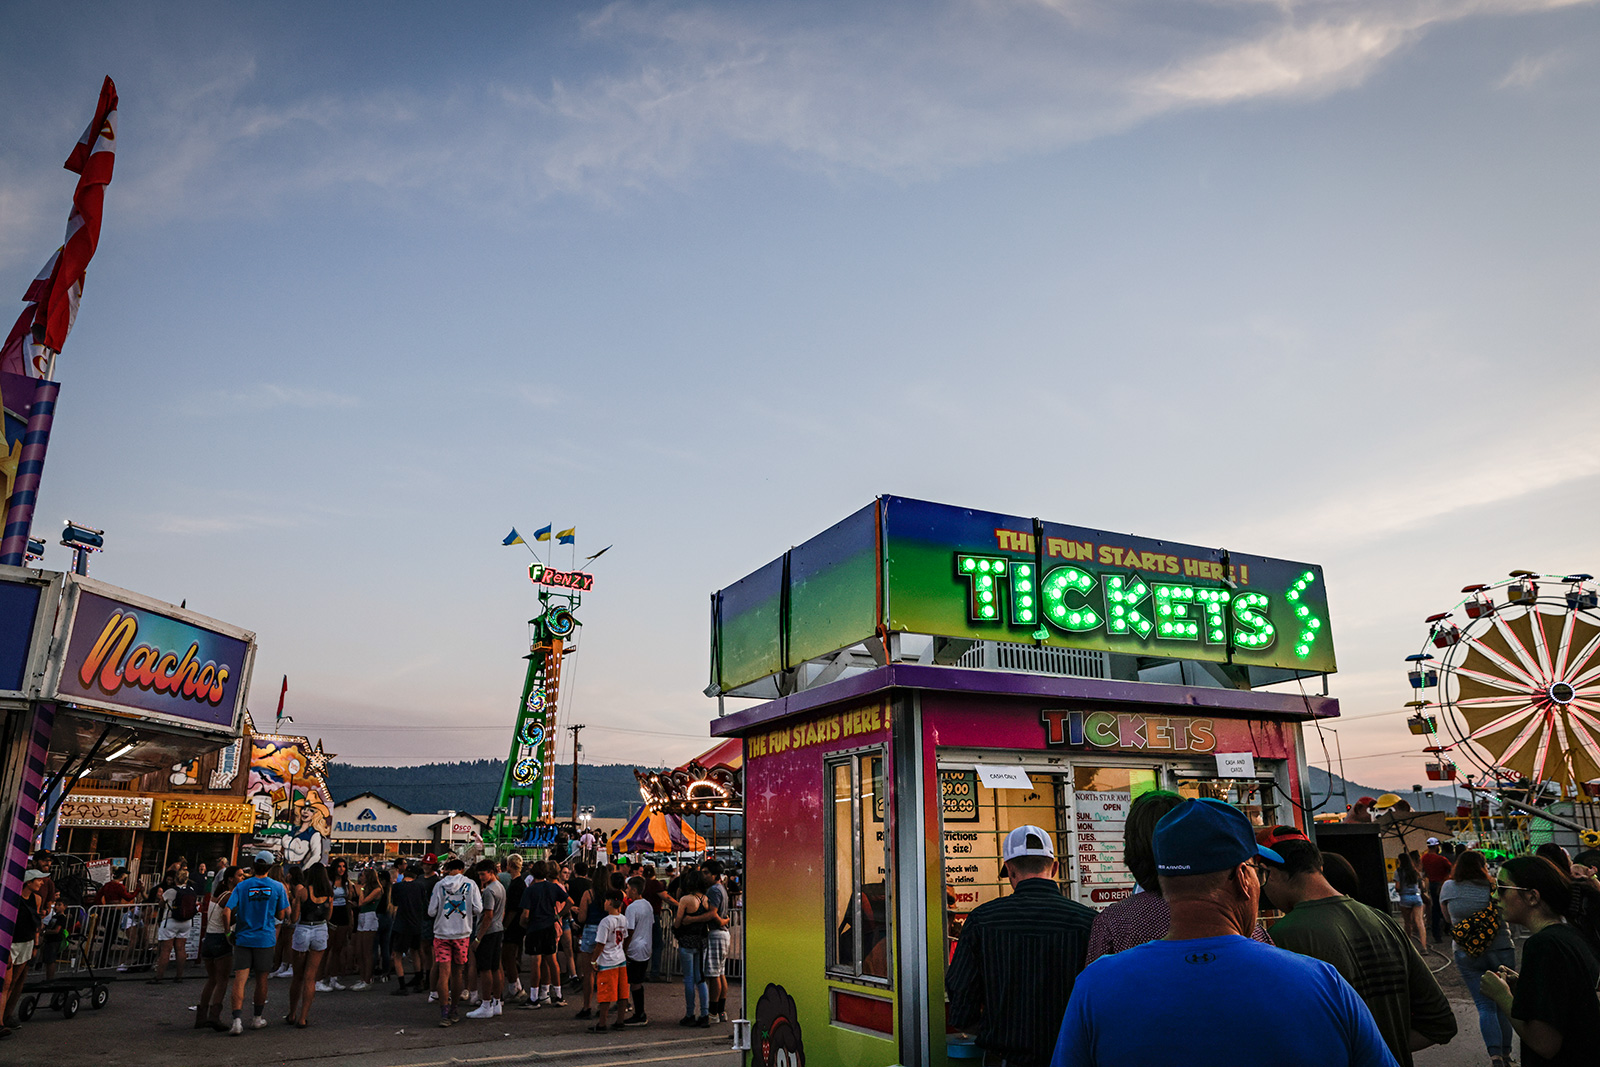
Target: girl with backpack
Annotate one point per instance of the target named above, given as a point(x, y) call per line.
point(179, 905)
point(1482, 943)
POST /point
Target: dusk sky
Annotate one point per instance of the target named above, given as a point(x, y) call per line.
point(377, 282)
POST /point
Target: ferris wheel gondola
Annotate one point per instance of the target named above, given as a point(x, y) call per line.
point(1516, 680)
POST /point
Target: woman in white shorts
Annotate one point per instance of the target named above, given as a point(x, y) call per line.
point(312, 901)
point(368, 900)
point(172, 933)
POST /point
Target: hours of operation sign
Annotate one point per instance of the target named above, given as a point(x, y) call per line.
point(1098, 822)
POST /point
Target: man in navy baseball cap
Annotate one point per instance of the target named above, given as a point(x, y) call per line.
point(1208, 977)
point(1203, 836)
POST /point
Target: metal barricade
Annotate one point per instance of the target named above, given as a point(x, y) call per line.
point(63, 945)
point(734, 965)
point(120, 937)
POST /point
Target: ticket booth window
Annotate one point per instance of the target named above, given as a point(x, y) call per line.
point(859, 901)
point(1256, 797)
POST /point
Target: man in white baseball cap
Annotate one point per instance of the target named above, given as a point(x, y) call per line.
point(1018, 957)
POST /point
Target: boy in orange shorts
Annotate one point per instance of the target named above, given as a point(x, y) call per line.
point(609, 961)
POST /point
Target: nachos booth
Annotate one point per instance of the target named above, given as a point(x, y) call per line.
point(935, 676)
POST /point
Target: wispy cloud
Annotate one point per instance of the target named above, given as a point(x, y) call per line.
point(896, 92)
point(266, 396)
point(207, 525)
point(1528, 70)
point(1380, 503)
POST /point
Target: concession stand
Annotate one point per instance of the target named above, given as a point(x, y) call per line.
point(935, 676)
point(120, 722)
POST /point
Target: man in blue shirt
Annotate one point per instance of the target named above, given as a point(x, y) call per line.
point(1207, 995)
point(255, 907)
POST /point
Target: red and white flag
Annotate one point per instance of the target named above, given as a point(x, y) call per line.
point(54, 294)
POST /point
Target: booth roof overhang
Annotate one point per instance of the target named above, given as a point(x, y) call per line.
point(1236, 703)
point(136, 684)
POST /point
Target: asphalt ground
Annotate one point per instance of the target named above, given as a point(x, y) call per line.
point(1466, 1049)
point(143, 1024)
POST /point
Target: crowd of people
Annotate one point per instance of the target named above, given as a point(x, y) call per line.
point(473, 938)
point(1183, 971)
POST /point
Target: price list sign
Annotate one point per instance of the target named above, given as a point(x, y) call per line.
point(1098, 821)
point(960, 792)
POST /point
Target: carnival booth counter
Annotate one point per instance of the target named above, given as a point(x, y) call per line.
point(880, 785)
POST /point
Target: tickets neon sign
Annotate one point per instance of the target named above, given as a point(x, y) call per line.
point(540, 574)
point(1074, 599)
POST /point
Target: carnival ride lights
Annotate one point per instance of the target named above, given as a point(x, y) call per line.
point(530, 766)
point(690, 788)
point(1518, 686)
point(82, 540)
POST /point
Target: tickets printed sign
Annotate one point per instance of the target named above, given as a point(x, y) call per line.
point(1098, 823)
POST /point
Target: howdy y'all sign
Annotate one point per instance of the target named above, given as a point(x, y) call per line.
point(124, 657)
point(1109, 729)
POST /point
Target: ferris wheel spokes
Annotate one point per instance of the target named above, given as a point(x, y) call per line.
point(1518, 685)
point(1511, 645)
point(1493, 682)
point(1591, 647)
point(1559, 669)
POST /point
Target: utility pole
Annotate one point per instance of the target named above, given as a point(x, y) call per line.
point(576, 748)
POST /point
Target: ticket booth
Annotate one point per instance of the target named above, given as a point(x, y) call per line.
point(881, 778)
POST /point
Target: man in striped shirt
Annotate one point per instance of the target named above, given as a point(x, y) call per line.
point(1018, 956)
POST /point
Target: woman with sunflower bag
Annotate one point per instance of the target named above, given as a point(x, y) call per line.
point(1482, 944)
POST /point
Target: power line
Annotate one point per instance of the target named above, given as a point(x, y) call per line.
point(500, 729)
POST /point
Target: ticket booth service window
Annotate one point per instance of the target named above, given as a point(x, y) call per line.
point(860, 907)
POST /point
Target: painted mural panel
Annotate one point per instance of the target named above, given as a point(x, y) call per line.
point(789, 927)
point(294, 810)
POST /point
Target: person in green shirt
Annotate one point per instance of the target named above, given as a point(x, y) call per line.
point(1365, 946)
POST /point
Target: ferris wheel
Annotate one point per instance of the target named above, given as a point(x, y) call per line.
point(1513, 672)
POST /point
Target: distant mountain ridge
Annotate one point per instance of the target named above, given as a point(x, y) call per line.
point(611, 787)
point(1333, 793)
point(474, 786)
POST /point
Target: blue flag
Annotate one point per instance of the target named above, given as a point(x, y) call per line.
point(542, 535)
point(567, 537)
point(513, 538)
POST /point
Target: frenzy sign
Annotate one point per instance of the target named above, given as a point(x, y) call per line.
point(1129, 733)
point(539, 574)
point(130, 658)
